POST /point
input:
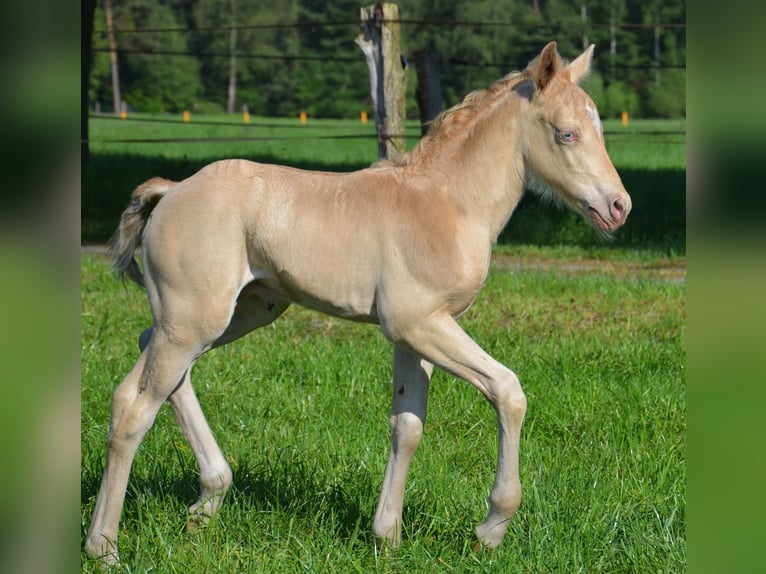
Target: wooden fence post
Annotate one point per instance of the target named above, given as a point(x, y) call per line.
point(380, 43)
point(429, 90)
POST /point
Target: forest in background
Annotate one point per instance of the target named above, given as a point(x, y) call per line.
point(299, 55)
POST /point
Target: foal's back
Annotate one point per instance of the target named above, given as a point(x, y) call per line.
point(342, 243)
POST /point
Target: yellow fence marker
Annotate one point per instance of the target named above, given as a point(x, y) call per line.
point(625, 119)
point(187, 116)
point(304, 118)
point(245, 117)
point(363, 117)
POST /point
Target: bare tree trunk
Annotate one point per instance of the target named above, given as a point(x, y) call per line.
point(232, 99)
point(612, 40)
point(369, 43)
point(88, 10)
point(657, 72)
point(116, 98)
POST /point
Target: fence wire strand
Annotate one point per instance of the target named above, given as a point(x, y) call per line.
point(295, 58)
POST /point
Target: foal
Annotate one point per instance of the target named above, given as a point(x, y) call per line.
point(404, 244)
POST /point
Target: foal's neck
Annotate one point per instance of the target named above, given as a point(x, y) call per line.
point(484, 165)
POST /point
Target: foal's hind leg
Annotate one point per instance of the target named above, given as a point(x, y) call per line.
point(215, 473)
point(172, 348)
point(134, 407)
point(408, 415)
point(254, 309)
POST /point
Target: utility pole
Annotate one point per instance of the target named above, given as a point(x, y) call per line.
point(113, 59)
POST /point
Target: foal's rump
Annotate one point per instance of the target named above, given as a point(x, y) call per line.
point(302, 235)
point(192, 226)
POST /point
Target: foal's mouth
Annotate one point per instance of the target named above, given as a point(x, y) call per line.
point(600, 222)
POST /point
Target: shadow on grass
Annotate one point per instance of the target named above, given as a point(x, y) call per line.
point(657, 221)
point(297, 486)
point(290, 485)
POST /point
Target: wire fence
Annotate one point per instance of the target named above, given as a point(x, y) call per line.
point(355, 23)
point(297, 58)
point(674, 137)
point(434, 23)
point(308, 132)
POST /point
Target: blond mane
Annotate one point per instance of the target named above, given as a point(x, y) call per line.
point(455, 118)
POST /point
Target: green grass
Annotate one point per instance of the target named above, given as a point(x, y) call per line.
point(300, 409)
point(650, 155)
point(634, 146)
point(284, 138)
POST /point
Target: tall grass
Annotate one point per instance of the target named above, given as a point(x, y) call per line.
point(300, 408)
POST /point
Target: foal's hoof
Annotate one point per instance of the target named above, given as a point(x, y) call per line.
point(488, 536)
point(196, 522)
point(385, 546)
point(199, 517)
point(106, 555)
point(476, 546)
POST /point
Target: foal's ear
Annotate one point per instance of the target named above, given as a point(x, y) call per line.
point(579, 68)
point(548, 64)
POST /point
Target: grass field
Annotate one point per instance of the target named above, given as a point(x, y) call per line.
point(300, 409)
point(292, 142)
point(594, 330)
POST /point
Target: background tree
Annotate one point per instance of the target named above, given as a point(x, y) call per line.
point(335, 84)
point(294, 55)
point(153, 76)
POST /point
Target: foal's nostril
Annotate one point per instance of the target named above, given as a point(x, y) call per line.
point(618, 209)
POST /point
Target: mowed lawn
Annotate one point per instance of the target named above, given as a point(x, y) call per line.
point(300, 408)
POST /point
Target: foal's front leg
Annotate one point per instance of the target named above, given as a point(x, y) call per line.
point(443, 342)
point(408, 416)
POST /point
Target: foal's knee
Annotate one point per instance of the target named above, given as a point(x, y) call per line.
point(407, 430)
point(510, 398)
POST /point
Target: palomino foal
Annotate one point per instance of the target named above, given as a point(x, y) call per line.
point(405, 244)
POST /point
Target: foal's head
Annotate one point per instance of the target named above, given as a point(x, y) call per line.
point(565, 154)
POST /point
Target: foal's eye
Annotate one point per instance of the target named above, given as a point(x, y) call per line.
point(566, 136)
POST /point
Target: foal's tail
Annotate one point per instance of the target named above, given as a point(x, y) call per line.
point(128, 236)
